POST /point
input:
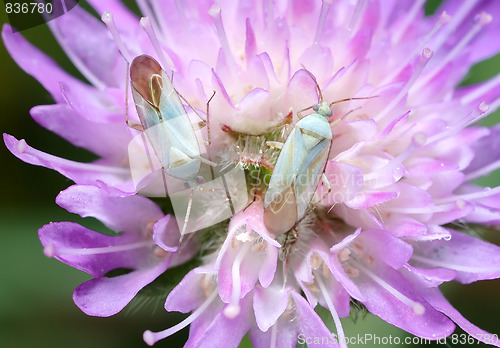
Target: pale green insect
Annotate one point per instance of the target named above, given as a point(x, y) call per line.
point(169, 131)
point(163, 117)
point(299, 168)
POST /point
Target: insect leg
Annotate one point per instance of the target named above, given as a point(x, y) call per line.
point(203, 122)
point(299, 113)
point(186, 218)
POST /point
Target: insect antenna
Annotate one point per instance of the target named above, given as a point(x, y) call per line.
point(316, 82)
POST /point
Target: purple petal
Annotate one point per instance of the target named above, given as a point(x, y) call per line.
point(107, 177)
point(76, 246)
point(432, 277)
point(344, 279)
point(104, 297)
point(130, 213)
point(249, 274)
point(107, 140)
point(308, 321)
point(452, 212)
point(360, 44)
point(250, 44)
point(166, 234)
point(301, 90)
point(88, 44)
point(345, 180)
point(269, 304)
point(268, 269)
point(286, 335)
point(438, 301)
point(380, 300)
point(36, 63)
point(189, 294)
point(472, 258)
point(318, 60)
point(378, 242)
point(364, 200)
point(97, 106)
point(124, 19)
point(223, 331)
point(401, 226)
point(487, 150)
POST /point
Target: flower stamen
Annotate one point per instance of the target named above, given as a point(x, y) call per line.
point(50, 250)
point(152, 337)
point(333, 312)
point(274, 335)
point(483, 171)
point(418, 140)
point(456, 20)
point(455, 267)
point(107, 18)
point(478, 113)
point(489, 85)
point(417, 307)
point(148, 28)
point(486, 192)
point(423, 210)
point(325, 6)
point(407, 20)
point(356, 13)
point(233, 308)
point(444, 18)
point(215, 13)
point(482, 19)
point(425, 56)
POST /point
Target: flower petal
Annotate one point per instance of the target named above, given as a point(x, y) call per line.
point(269, 304)
point(91, 251)
point(130, 213)
point(107, 140)
point(104, 297)
point(472, 258)
point(108, 177)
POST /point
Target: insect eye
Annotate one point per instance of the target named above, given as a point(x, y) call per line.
point(200, 180)
point(316, 107)
point(329, 113)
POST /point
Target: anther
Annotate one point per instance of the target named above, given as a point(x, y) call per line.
point(22, 146)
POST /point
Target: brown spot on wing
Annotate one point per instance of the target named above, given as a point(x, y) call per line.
point(145, 76)
point(281, 214)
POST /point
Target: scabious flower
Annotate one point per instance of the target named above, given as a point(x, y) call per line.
point(401, 165)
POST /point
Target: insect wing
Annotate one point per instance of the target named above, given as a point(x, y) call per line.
point(167, 126)
point(286, 168)
point(309, 175)
point(316, 137)
point(297, 173)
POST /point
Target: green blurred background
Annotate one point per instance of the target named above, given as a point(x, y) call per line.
point(36, 306)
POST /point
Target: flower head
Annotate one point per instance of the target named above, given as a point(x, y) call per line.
point(384, 226)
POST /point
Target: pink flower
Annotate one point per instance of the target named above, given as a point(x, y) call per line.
point(401, 165)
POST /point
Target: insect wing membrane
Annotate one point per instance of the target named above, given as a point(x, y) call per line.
point(184, 160)
point(286, 168)
point(316, 138)
point(165, 122)
point(297, 173)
